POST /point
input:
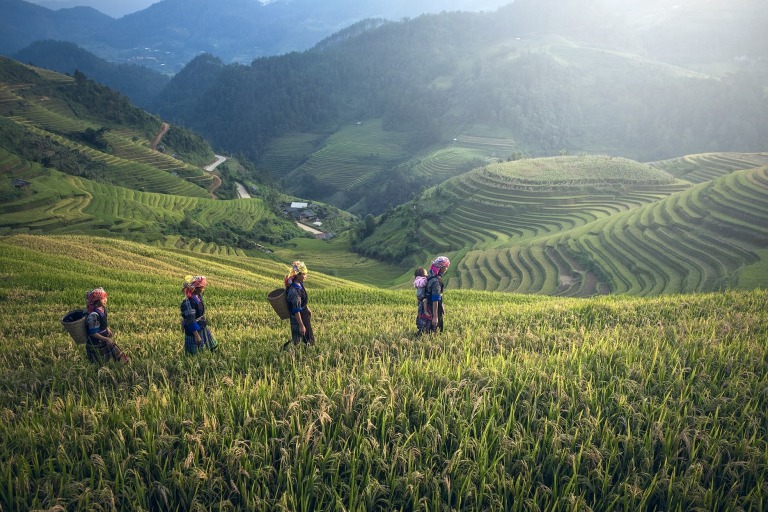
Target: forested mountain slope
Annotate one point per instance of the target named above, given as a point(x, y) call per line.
point(139, 83)
point(538, 85)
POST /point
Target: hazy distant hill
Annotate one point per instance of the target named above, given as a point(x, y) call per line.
point(139, 83)
point(22, 23)
point(170, 33)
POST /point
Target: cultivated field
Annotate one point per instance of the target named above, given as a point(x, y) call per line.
point(594, 225)
point(66, 204)
point(524, 403)
point(129, 161)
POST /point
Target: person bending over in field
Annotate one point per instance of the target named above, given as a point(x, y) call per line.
point(423, 319)
point(197, 335)
point(301, 316)
point(99, 347)
point(435, 287)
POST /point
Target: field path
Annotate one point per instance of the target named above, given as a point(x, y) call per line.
point(309, 229)
point(163, 130)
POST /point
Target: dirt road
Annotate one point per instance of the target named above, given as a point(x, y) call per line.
point(163, 130)
point(309, 229)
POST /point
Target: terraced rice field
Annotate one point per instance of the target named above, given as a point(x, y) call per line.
point(697, 240)
point(284, 154)
point(67, 204)
point(133, 163)
point(494, 212)
point(445, 163)
point(493, 147)
point(704, 167)
point(523, 403)
point(530, 236)
point(353, 155)
point(135, 174)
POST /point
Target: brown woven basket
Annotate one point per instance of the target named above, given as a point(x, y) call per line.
point(74, 323)
point(278, 301)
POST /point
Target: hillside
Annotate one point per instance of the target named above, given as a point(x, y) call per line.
point(432, 86)
point(524, 402)
point(582, 226)
point(86, 165)
point(575, 226)
point(139, 83)
point(438, 95)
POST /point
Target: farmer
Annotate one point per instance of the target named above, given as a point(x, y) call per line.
point(197, 335)
point(423, 320)
point(435, 287)
point(100, 347)
point(296, 295)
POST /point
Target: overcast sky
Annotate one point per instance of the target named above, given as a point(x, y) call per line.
point(114, 8)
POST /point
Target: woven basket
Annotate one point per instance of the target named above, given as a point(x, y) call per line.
point(74, 323)
point(279, 303)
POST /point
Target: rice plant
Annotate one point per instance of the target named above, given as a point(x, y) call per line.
point(524, 403)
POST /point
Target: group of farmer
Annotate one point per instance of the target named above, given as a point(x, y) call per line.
point(100, 345)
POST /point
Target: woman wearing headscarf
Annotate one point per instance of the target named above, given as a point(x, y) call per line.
point(435, 287)
point(296, 295)
point(197, 335)
point(99, 347)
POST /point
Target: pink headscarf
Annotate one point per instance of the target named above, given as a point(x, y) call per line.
point(441, 262)
point(192, 282)
point(93, 297)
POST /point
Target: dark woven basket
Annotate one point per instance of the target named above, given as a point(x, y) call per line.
point(74, 323)
point(279, 303)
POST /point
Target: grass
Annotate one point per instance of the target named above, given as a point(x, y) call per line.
point(756, 274)
point(353, 155)
point(524, 403)
point(641, 231)
point(334, 257)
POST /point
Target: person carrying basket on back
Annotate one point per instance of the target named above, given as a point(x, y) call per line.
point(434, 291)
point(301, 315)
point(100, 347)
point(197, 335)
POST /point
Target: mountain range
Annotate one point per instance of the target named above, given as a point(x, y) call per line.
point(377, 111)
point(168, 34)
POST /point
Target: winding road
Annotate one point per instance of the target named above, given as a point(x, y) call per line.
point(242, 193)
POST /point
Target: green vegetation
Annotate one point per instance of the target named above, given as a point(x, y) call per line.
point(138, 83)
point(56, 203)
point(701, 239)
point(582, 226)
point(93, 172)
point(335, 258)
point(523, 403)
point(67, 124)
point(512, 202)
point(459, 89)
